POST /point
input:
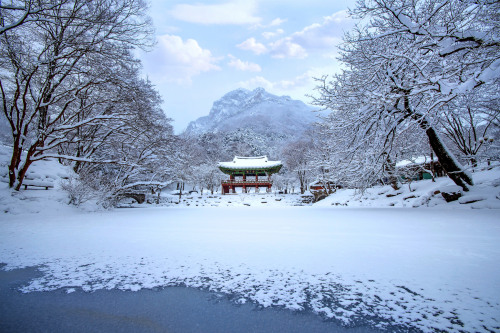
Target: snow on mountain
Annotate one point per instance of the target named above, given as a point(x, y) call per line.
point(257, 110)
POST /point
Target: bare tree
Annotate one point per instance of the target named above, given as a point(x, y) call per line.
point(297, 158)
point(469, 121)
point(15, 13)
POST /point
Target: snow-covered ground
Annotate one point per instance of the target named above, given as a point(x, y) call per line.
point(430, 268)
point(236, 200)
point(425, 193)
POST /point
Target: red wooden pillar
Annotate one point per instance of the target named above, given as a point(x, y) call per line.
point(231, 186)
point(244, 187)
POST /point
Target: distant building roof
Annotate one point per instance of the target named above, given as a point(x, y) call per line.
point(416, 161)
point(250, 163)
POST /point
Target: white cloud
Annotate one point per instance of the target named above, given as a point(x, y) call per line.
point(175, 60)
point(252, 45)
point(282, 48)
point(282, 86)
point(171, 29)
point(323, 35)
point(243, 65)
point(272, 34)
point(286, 48)
point(299, 81)
point(256, 82)
point(276, 22)
point(240, 12)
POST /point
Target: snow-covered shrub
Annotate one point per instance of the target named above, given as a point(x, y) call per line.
point(78, 191)
point(87, 188)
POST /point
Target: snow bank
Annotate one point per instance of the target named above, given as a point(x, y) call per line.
point(236, 200)
point(424, 193)
point(36, 198)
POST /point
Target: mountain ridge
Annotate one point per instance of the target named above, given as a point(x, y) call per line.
point(256, 110)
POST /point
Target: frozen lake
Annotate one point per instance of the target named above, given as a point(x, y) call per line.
point(423, 269)
point(173, 309)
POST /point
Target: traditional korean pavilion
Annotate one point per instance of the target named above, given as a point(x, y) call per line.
point(245, 171)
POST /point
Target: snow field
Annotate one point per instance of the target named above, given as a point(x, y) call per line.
point(426, 269)
point(234, 200)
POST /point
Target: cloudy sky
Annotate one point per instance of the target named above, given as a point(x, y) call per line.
point(209, 48)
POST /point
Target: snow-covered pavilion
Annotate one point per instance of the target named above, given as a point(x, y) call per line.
point(242, 167)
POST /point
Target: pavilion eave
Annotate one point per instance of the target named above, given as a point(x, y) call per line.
point(250, 171)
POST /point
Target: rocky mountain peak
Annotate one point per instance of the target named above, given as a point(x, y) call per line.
point(258, 110)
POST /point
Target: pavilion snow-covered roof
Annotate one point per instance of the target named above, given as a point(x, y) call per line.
point(250, 163)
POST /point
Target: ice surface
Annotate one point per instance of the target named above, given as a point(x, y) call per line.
point(383, 266)
point(174, 309)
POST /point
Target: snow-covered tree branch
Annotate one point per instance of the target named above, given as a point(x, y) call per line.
point(404, 66)
point(61, 76)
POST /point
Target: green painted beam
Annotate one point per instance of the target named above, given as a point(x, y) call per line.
point(259, 171)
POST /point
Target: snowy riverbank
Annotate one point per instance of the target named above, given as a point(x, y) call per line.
point(485, 194)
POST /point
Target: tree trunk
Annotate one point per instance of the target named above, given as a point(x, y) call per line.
point(302, 176)
point(432, 166)
point(15, 160)
point(22, 172)
point(391, 170)
point(16, 178)
point(449, 163)
point(14, 163)
point(473, 161)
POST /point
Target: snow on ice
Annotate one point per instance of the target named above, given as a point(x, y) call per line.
point(426, 268)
